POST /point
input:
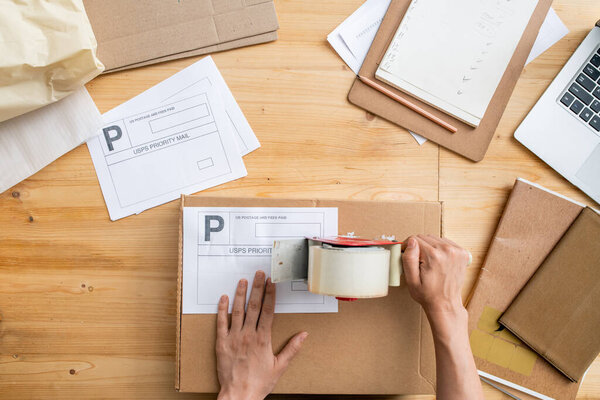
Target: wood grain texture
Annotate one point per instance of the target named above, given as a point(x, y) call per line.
point(474, 195)
point(88, 305)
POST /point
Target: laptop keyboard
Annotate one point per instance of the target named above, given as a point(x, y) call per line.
point(582, 95)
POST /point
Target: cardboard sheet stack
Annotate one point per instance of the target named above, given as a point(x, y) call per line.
point(132, 34)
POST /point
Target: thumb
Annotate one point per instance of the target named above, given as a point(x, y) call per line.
point(290, 350)
point(410, 262)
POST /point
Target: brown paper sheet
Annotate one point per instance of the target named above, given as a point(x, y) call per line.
point(469, 142)
point(375, 346)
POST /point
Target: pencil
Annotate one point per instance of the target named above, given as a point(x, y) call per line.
point(408, 104)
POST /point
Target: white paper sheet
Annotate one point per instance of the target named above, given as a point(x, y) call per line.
point(353, 37)
point(513, 385)
point(551, 31)
point(452, 55)
point(223, 245)
point(175, 145)
point(187, 82)
point(31, 141)
point(365, 21)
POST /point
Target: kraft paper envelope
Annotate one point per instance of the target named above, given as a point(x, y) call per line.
point(371, 346)
point(558, 312)
point(533, 222)
point(469, 142)
point(132, 33)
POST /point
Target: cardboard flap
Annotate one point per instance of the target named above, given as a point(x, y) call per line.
point(247, 41)
point(469, 142)
point(375, 346)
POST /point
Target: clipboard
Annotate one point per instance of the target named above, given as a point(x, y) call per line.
point(468, 141)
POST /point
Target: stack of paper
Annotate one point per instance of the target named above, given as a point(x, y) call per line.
point(476, 41)
point(181, 136)
point(353, 37)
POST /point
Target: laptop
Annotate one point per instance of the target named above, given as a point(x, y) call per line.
point(563, 128)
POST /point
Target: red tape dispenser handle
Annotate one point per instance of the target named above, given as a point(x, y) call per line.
point(347, 298)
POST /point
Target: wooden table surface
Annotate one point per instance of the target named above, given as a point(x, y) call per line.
point(87, 305)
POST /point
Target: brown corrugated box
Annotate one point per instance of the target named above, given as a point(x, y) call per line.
point(375, 346)
point(468, 141)
point(557, 313)
point(533, 222)
point(134, 33)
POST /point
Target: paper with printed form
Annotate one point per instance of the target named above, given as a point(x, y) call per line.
point(181, 136)
point(225, 244)
point(192, 80)
point(150, 157)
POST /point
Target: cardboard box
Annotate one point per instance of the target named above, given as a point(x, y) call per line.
point(132, 33)
point(533, 222)
point(374, 346)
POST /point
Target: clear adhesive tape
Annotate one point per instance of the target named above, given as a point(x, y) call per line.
point(360, 272)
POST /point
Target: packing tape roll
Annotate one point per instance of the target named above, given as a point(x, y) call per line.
point(358, 272)
point(395, 264)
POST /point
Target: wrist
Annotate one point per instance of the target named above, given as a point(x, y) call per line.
point(447, 320)
point(237, 394)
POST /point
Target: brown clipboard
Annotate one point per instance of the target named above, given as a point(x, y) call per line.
point(469, 142)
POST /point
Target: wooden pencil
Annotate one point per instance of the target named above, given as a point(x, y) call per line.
point(408, 104)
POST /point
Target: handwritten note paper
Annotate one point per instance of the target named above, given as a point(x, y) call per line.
point(367, 18)
point(452, 55)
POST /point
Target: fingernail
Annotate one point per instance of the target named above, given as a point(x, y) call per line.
point(243, 283)
point(223, 299)
point(260, 274)
point(411, 243)
point(303, 337)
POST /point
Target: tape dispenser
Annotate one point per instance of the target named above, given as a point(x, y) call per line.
point(346, 267)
